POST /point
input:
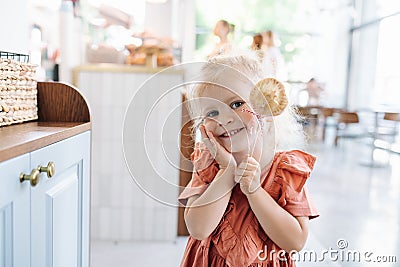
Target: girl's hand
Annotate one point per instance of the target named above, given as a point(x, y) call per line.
point(248, 175)
point(223, 157)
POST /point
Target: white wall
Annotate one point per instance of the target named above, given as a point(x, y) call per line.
point(14, 27)
point(187, 29)
point(158, 18)
point(175, 19)
point(121, 210)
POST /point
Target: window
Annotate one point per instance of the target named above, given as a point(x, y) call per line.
point(387, 77)
point(374, 75)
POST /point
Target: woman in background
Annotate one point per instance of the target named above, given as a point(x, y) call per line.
point(274, 64)
point(257, 42)
point(223, 46)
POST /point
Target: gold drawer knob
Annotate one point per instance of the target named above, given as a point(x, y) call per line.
point(33, 177)
point(50, 169)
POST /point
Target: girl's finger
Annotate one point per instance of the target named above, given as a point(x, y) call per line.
point(237, 178)
point(205, 138)
point(203, 132)
point(210, 146)
point(243, 164)
point(253, 161)
point(211, 136)
point(247, 166)
point(246, 173)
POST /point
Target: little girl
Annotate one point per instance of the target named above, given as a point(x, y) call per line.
point(246, 205)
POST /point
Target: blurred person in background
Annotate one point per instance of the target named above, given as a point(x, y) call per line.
point(274, 64)
point(223, 45)
point(257, 42)
point(257, 46)
point(314, 90)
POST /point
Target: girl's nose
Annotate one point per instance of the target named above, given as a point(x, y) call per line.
point(225, 120)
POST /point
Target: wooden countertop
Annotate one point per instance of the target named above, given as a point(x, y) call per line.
point(62, 111)
point(26, 137)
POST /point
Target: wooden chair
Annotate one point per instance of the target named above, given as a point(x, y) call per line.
point(388, 127)
point(347, 120)
point(324, 115)
point(386, 131)
point(392, 116)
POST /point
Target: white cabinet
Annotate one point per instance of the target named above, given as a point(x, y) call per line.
point(47, 224)
point(14, 213)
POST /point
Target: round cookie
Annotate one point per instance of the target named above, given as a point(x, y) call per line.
point(268, 97)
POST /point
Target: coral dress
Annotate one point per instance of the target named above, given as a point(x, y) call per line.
point(239, 239)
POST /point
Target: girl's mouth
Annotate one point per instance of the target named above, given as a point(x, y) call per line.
point(231, 133)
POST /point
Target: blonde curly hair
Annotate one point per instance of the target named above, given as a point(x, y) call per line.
point(288, 131)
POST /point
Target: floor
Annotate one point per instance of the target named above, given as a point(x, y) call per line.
point(359, 206)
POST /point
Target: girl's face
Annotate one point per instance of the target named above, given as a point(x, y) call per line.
point(221, 109)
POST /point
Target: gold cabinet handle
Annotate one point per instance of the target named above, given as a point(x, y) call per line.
point(50, 169)
point(33, 177)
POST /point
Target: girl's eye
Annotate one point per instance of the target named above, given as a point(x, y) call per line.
point(212, 113)
point(237, 104)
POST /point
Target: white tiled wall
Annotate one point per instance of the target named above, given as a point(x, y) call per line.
point(120, 210)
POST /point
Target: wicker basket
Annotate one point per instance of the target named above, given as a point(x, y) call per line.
point(18, 92)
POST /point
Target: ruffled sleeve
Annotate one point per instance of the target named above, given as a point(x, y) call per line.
point(294, 168)
point(204, 170)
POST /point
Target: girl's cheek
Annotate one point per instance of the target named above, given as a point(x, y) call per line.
point(210, 125)
point(251, 122)
point(253, 126)
point(248, 119)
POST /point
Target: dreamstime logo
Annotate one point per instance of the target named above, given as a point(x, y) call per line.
point(339, 254)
